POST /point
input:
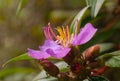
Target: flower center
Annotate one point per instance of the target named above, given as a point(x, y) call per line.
point(64, 37)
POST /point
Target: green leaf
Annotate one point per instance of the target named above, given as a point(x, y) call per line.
point(12, 70)
point(26, 57)
point(109, 55)
point(63, 66)
point(114, 60)
point(105, 46)
point(97, 78)
point(78, 17)
point(95, 6)
point(21, 5)
point(18, 58)
point(111, 59)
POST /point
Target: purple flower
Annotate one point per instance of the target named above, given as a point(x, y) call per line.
point(58, 46)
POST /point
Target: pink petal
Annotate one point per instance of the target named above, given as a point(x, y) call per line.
point(49, 44)
point(58, 53)
point(85, 35)
point(38, 54)
point(53, 49)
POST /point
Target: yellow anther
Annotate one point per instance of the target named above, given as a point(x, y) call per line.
point(64, 35)
point(60, 31)
point(68, 33)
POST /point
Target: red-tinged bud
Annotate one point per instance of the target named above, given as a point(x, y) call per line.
point(49, 67)
point(76, 68)
point(69, 58)
point(99, 71)
point(92, 52)
point(79, 71)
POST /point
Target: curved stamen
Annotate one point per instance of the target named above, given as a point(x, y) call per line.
point(46, 32)
point(68, 34)
point(52, 32)
point(49, 34)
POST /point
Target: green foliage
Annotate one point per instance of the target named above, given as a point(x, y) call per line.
point(25, 57)
point(97, 78)
point(113, 62)
point(78, 17)
point(95, 6)
point(106, 47)
point(18, 58)
point(21, 5)
point(109, 55)
point(111, 59)
point(12, 70)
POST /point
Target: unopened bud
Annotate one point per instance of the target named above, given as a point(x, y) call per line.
point(69, 58)
point(100, 71)
point(49, 67)
point(76, 68)
point(92, 52)
point(80, 72)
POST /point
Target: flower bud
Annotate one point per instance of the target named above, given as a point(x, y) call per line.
point(92, 52)
point(69, 58)
point(76, 68)
point(49, 67)
point(79, 71)
point(99, 71)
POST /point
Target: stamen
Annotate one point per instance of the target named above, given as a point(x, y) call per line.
point(52, 31)
point(46, 32)
point(60, 40)
point(60, 31)
point(68, 34)
point(50, 37)
point(64, 36)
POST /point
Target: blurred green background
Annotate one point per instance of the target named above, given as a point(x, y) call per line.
point(21, 28)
